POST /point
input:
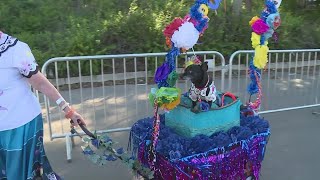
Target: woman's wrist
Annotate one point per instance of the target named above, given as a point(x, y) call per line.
point(60, 101)
point(69, 112)
point(65, 107)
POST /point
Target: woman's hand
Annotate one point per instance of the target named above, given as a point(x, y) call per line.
point(77, 119)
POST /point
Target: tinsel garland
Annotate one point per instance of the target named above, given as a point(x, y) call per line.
point(155, 136)
point(225, 159)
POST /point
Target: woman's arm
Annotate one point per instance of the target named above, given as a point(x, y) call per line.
point(42, 84)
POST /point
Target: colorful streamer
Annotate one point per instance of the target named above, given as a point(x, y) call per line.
point(181, 35)
point(263, 28)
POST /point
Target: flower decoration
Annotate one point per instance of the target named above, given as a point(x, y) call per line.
point(253, 20)
point(263, 28)
point(274, 21)
point(181, 35)
point(255, 39)
point(162, 73)
point(174, 26)
point(259, 27)
point(171, 105)
point(184, 33)
point(166, 98)
point(186, 36)
point(261, 56)
point(103, 144)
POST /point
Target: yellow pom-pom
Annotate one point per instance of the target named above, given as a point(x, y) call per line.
point(253, 20)
point(261, 56)
point(255, 39)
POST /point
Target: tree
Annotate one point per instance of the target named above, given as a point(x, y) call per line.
point(249, 5)
point(236, 7)
point(302, 3)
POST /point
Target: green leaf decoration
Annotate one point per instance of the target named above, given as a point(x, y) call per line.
point(86, 148)
point(94, 158)
point(172, 79)
point(109, 153)
point(86, 139)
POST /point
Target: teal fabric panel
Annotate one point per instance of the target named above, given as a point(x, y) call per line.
point(22, 155)
point(189, 124)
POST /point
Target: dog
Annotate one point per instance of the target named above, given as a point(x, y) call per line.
point(202, 88)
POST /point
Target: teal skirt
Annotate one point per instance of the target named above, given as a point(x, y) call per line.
point(22, 156)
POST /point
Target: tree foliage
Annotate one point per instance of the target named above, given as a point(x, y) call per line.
point(89, 27)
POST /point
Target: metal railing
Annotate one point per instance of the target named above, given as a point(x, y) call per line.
point(290, 80)
point(111, 91)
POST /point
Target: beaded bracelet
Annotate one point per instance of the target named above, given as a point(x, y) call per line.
point(64, 105)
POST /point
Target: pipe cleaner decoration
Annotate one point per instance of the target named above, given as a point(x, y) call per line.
point(181, 35)
point(263, 28)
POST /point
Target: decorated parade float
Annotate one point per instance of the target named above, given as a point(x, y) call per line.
point(203, 133)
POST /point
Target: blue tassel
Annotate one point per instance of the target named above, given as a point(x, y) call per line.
point(253, 87)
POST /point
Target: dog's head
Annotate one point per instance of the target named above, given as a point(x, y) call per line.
point(196, 73)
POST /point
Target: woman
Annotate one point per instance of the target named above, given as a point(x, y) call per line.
point(22, 155)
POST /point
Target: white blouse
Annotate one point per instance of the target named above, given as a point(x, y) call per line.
point(18, 104)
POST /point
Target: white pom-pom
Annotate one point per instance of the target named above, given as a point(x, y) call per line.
point(186, 36)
